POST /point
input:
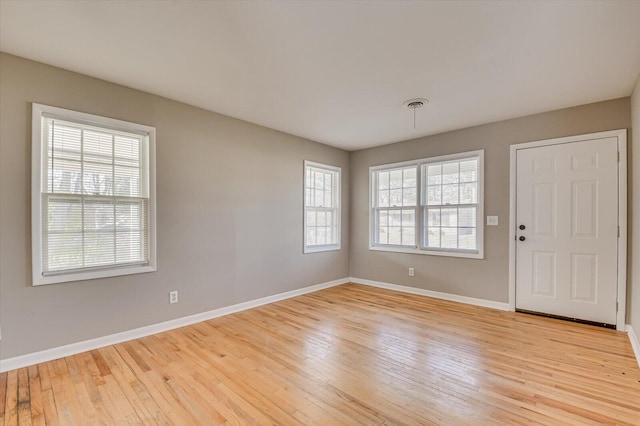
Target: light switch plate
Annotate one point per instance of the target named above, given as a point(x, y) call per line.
point(492, 220)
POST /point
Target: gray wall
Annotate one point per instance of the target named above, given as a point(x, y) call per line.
point(229, 214)
point(215, 175)
point(633, 302)
point(488, 278)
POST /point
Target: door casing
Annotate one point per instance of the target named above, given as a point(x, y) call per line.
point(621, 135)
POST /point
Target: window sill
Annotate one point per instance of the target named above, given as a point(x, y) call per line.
point(318, 249)
point(39, 279)
point(414, 250)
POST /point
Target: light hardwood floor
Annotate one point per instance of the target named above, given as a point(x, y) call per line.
point(346, 355)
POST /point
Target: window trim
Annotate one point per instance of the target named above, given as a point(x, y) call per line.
point(38, 163)
point(326, 247)
point(418, 248)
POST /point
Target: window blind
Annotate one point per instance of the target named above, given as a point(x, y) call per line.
point(95, 197)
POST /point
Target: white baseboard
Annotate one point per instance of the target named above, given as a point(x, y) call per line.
point(100, 342)
point(435, 294)
point(635, 343)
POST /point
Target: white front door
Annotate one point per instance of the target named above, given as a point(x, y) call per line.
point(567, 229)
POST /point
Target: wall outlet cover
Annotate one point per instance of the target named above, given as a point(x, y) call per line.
point(492, 220)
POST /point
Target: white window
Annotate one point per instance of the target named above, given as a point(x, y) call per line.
point(321, 207)
point(93, 196)
point(429, 206)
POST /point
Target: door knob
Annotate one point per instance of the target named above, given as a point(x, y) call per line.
point(522, 238)
point(522, 227)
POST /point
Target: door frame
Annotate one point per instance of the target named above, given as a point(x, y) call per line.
point(621, 135)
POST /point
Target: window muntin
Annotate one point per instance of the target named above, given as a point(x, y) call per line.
point(321, 207)
point(94, 209)
point(445, 216)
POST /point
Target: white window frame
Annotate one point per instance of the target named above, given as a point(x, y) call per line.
point(38, 164)
point(336, 193)
point(421, 207)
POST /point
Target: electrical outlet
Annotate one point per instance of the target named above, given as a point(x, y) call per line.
point(412, 272)
point(173, 296)
point(492, 220)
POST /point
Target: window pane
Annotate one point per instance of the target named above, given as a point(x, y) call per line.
point(129, 216)
point(467, 217)
point(321, 218)
point(408, 218)
point(98, 216)
point(395, 235)
point(129, 247)
point(434, 195)
point(433, 237)
point(64, 251)
point(383, 235)
point(408, 236)
point(450, 194)
point(64, 215)
point(449, 237)
point(97, 178)
point(311, 217)
point(450, 173)
point(395, 179)
point(127, 151)
point(434, 174)
point(449, 217)
point(64, 176)
point(321, 235)
point(64, 142)
point(328, 185)
point(97, 147)
point(383, 180)
point(409, 178)
point(383, 218)
point(319, 183)
point(467, 238)
point(396, 197)
point(409, 197)
point(408, 227)
point(395, 218)
point(433, 217)
point(99, 248)
point(127, 181)
point(469, 171)
point(469, 193)
point(383, 198)
point(309, 178)
point(328, 202)
point(311, 236)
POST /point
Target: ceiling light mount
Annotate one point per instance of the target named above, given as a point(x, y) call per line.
point(414, 104)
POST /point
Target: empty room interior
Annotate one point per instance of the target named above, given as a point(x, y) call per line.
point(318, 212)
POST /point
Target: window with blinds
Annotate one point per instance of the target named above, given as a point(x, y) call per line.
point(321, 207)
point(429, 206)
point(93, 196)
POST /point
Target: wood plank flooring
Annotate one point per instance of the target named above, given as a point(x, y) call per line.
point(346, 355)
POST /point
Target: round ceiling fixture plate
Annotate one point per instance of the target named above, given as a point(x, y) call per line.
point(415, 103)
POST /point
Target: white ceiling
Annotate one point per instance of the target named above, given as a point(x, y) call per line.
point(338, 72)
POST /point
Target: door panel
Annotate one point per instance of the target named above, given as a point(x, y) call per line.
point(567, 200)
